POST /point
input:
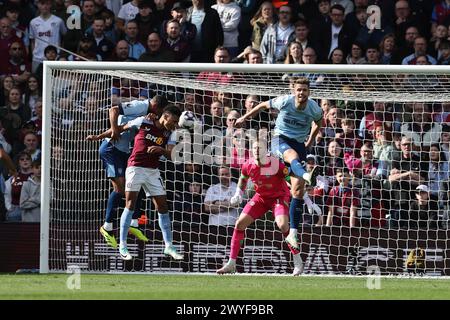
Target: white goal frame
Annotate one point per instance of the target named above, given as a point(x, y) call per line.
point(49, 66)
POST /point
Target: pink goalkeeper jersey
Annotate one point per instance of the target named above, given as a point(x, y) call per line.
point(269, 180)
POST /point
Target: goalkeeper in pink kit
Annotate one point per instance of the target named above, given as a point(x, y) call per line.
point(268, 175)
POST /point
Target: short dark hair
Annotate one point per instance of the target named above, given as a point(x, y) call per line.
point(161, 101)
point(50, 48)
point(36, 163)
point(301, 80)
point(337, 7)
point(172, 110)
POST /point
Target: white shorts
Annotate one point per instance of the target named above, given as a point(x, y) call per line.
point(147, 178)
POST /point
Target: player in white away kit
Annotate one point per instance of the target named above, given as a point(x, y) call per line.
point(292, 128)
point(268, 175)
point(151, 142)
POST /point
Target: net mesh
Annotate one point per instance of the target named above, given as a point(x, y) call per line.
point(377, 109)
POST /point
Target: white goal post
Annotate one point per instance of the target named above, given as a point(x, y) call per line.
point(74, 190)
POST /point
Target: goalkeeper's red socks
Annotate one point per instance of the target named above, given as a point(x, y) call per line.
point(238, 237)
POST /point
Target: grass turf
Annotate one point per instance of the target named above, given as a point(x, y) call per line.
point(199, 287)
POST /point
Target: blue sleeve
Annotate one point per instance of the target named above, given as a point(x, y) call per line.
point(172, 138)
point(136, 123)
point(318, 112)
point(278, 102)
point(134, 108)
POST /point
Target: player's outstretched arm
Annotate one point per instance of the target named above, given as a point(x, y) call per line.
point(254, 111)
point(96, 137)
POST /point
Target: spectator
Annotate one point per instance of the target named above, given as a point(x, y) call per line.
point(47, 27)
point(381, 115)
point(30, 196)
point(7, 84)
point(304, 10)
point(404, 19)
point(333, 161)
point(423, 212)
point(31, 143)
point(420, 48)
point(422, 130)
point(121, 52)
point(408, 171)
point(356, 54)
point(262, 19)
point(444, 49)
point(373, 55)
point(188, 207)
point(36, 121)
point(438, 175)
point(441, 11)
point(209, 34)
point(15, 106)
point(310, 57)
point(217, 200)
point(102, 45)
point(32, 94)
point(146, 21)
point(230, 16)
point(187, 29)
point(127, 13)
point(6, 38)
point(258, 121)
point(382, 147)
point(387, 48)
point(155, 52)
point(368, 177)
point(337, 57)
point(445, 141)
point(294, 53)
point(342, 203)
point(374, 35)
point(215, 119)
point(334, 34)
point(276, 37)
point(239, 150)
point(440, 34)
point(332, 123)
point(179, 46)
point(135, 48)
point(348, 5)
point(16, 66)
point(13, 187)
point(12, 12)
point(86, 50)
point(301, 34)
point(349, 140)
point(110, 27)
point(50, 53)
point(161, 11)
point(73, 36)
point(405, 45)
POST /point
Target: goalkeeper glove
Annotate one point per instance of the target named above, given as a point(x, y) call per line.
point(236, 200)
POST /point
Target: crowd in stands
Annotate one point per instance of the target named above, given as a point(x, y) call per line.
point(384, 165)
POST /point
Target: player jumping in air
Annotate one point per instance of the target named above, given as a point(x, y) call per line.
point(151, 142)
point(272, 193)
point(297, 115)
point(115, 152)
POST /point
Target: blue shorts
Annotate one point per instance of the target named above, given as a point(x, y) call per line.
point(114, 161)
point(282, 143)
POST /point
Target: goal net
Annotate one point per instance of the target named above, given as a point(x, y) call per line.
point(383, 151)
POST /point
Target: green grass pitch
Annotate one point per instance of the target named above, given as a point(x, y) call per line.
point(200, 287)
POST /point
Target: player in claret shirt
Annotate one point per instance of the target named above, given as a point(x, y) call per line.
point(153, 140)
point(268, 175)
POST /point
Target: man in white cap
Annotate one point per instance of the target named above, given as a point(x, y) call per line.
point(423, 213)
